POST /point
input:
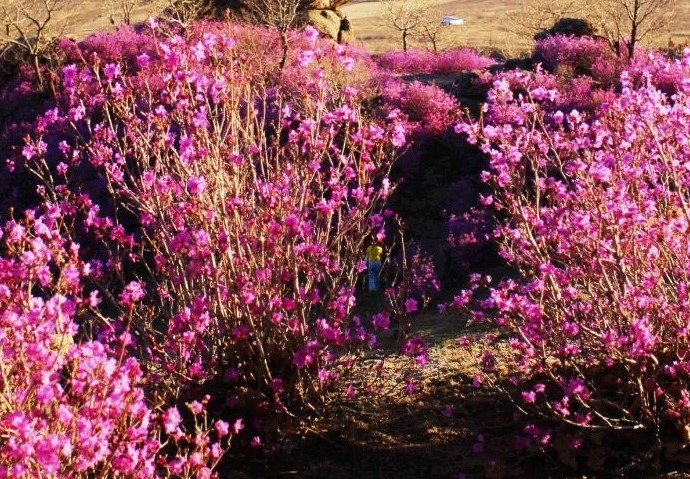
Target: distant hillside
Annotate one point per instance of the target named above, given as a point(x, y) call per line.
point(486, 22)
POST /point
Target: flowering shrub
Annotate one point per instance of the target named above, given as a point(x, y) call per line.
point(429, 108)
point(553, 94)
point(596, 222)
point(78, 409)
point(416, 285)
point(468, 236)
point(420, 61)
point(571, 56)
point(242, 214)
point(653, 67)
point(122, 46)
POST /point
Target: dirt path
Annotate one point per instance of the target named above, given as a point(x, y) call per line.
point(447, 427)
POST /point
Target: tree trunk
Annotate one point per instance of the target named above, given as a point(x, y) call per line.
point(36, 64)
point(404, 39)
point(284, 45)
point(632, 41)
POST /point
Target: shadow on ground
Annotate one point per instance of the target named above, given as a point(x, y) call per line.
point(448, 428)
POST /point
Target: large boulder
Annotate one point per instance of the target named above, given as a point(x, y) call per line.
point(331, 23)
point(320, 5)
point(576, 27)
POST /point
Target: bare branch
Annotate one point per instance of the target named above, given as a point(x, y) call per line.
point(122, 10)
point(623, 22)
point(30, 27)
point(405, 16)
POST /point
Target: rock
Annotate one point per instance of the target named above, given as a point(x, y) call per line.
point(576, 27)
point(330, 23)
point(470, 84)
point(513, 64)
point(320, 5)
point(345, 35)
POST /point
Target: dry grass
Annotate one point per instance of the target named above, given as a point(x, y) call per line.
point(487, 22)
point(487, 25)
point(79, 18)
point(94, 15)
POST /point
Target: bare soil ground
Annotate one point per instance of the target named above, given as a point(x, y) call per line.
point(447, 429)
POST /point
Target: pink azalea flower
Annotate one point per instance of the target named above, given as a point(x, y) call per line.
point(411, 305)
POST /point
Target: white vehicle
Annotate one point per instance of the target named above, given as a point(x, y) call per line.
point(449, 20)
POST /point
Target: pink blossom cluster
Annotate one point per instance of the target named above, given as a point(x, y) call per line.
point(121, 47)
point(72, 405)
point(454, 60)
point(653, 67)
point(418, 285)
point(428, 108)
point(593, 60)
point(597, 223)
point(551, 91)
point(232, 210)
point(572, 56)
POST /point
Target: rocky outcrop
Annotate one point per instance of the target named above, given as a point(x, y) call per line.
point(324, 15)
point(331, 23)
point(325, 21)
point(321, 5)
point(576, 27)
point(471, 89)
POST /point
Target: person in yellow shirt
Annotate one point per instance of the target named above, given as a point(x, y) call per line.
point(374, 252)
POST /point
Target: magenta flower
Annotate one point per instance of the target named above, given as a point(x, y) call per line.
point(28, 151)
point(349, 63)
point(380, 321)
point(411, 306)
point(143, 60)
point(196, 407)
point(311, 34)
point(196, 185)
point(132, 293)
point(237, 426)
point(529, 396)
point(111, 71)
point(306, 57)
point(171, 420)
point(376, 221)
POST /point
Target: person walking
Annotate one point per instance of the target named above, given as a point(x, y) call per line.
point(374, 252)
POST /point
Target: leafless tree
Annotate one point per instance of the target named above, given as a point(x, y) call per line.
point(184, 12)
point(535, 16)
point(407, 17)
point(624, 23)
point(30, 26)
point(430, 31)
point(282, 15)
point(121, 8)
point(627, 22)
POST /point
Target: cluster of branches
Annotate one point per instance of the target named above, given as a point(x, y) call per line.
point(624, 23)
point(31, 27)
point(627, 22)
point(413, 19)
point(29, 31)
point(121, 9)
point(281, 15)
